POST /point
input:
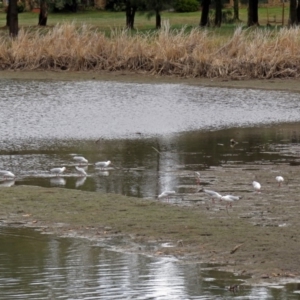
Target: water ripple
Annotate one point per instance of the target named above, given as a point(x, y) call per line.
point(90, 109)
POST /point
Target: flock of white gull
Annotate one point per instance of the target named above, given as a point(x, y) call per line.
point(229, 199)
point(8, 175)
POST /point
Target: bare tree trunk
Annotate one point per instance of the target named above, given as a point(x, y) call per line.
point(7, 16)
point(218, 14)
point(13, 18)
point(43, 16)
point(253, 13)
point(204, 14)
point(157, 19)
point(298, 12)
point(293, 13)
point(130, 14)
point(236, 16)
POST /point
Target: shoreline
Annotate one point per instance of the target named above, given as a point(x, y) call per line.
point(288, 84)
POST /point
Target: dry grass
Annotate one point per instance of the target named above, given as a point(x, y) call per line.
point(246, 54)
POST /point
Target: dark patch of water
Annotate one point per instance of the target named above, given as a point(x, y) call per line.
point(144, 167)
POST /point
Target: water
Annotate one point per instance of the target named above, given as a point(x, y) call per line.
point(44, 122)
point(138, 170)
point(36, 266)
point(156, 136)
point(37, 111)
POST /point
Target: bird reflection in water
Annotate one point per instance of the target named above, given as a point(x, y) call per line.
point(80, 181)
point(7, 183)
point(103, 173)
point(58, 181)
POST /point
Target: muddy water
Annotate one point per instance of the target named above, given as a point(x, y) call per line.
point(156, 136)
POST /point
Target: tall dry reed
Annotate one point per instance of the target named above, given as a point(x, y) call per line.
point(246, 54)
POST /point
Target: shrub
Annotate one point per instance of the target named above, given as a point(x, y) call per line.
point(186, 5)
point(20, 6)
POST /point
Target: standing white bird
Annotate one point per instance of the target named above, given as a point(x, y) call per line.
point(214, 195)
point(102, 164)
point(7, 175)
point(81, 160)
point(81, 171)
point(256, 185)
point(198, 177)
point(166, 194)
point(58, 171)
point(229, 199)
point(279, 179)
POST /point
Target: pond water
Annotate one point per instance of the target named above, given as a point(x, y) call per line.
point(36, 266)
point(149, 132)
point(156, 136)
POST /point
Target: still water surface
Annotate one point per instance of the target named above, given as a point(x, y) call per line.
point(156, 136)
point(36, 266)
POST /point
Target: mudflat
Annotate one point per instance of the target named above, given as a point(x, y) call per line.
point(258, 236)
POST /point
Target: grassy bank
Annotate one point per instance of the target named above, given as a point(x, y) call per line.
point(245, 54)
point(105, 20)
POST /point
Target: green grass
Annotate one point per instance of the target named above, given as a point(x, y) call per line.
point(105, 21)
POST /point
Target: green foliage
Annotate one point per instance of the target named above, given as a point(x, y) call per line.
point(115, 5)
point(20, 6)
point(120, 5)
point(158, 5)
point(63, 5)
point(186, 5)
point(227, 16)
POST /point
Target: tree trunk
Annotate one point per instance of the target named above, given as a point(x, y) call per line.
point(236, 16)
point(13, 18)
point(204, 14)
point(7, 16)
point(74, 6)
point(253, 13)
point(130, 14)
point(298, 12)
point(43, 16)
point(157, 19)
point(218, 14)
point(293, 13)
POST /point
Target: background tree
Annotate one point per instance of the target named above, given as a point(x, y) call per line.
point(294, 13)
point(43, 16)
point(252, 13)
point(155, 7)
point(218, 13)
point(130, 8)
point(186, 5)
point(236, 16)
point(12, 18)
point(204, 13)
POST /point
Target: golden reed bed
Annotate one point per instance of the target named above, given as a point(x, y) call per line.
point(246, 54)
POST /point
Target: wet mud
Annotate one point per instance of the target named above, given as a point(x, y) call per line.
point(140, 77)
